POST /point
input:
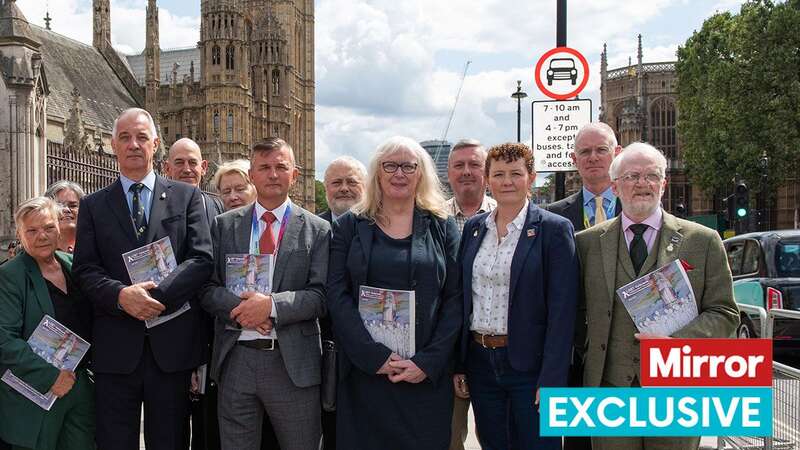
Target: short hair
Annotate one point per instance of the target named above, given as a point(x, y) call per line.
point(138, 112)
point(429, 194)
point(510, 152)
point(467, 143)
point(350, 162)
point(238, 166)
point(634, 149)
point(43, 205)
point(59, 186)
point(272, 143)
point(600, 127)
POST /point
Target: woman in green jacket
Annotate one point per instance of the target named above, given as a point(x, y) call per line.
point(38, 282)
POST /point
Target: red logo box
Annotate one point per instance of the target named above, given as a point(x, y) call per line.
point(706, 362)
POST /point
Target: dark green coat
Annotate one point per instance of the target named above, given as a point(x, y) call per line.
point(24, 300)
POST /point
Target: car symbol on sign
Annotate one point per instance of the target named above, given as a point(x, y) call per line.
point(562, 69)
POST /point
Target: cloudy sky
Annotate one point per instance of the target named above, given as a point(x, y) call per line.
point(388, 67)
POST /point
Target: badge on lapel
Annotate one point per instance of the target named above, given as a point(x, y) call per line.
point(674, 240)
point(531, 232)
point(163, 196)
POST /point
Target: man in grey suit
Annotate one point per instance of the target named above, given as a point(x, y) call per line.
point(642, 239)
point(267, 350)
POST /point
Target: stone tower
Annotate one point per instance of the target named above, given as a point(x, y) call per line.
point(152, 61)
point(225, 78)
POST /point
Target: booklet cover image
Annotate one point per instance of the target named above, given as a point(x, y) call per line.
point(152, 262)
point(57, 345)
point(661, 302)
point(388, 315)
point(247, 273)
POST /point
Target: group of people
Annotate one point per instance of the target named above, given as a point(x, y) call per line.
point(508, 299)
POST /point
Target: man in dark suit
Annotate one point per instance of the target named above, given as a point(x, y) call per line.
point(595, 148)
point(267, 350)
point(185, 163)
point(344, 186)
point(134, 364)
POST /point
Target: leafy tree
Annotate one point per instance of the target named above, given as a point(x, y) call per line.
point(739, 96)
point(319, 196)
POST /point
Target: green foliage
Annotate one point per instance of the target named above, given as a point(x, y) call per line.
point(739, 96)
point(319, 196)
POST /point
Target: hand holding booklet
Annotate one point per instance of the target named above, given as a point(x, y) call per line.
point(247, 273)
point(153, 262)
point(389, 316)
point(661, 302)
point(57, 345)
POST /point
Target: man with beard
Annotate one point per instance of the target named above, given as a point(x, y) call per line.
point(344, 185)
point(465, 172)
point(642, 239)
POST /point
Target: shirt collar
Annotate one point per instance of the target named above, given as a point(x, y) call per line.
point(149, 181)
point(608, 194)
point(654, 221)
point(487, 204)
point(518, 221)
point(278, 212)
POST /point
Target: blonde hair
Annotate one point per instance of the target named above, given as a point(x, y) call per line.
point(239, 166)
point(41, 205)
point(429, 196)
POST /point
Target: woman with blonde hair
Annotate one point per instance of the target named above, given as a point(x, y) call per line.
point(397, 238)
point(233, 184)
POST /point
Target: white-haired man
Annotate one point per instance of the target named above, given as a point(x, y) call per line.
point(614, 253)
point(344, 185)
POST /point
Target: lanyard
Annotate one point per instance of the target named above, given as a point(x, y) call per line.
point(254, 250)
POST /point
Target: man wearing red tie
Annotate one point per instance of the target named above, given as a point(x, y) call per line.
point(267, 351)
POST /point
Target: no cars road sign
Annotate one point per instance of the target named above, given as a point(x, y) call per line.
point(562, 73)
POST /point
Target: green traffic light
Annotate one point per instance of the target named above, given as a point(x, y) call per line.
point(741, 212)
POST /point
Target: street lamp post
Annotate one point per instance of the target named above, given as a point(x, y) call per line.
point(519, 95)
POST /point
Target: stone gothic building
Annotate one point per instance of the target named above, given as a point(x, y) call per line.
point(639, 101)
point(251, 75)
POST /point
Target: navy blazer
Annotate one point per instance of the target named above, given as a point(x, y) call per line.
point(545, 277)
point(435, 280)
point(105, 232)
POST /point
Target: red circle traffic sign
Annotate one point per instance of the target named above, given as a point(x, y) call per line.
point(568, 95)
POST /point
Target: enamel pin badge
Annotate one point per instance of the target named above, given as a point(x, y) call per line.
point(531, 232)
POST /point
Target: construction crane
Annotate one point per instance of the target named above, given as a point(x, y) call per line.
point(452, 113)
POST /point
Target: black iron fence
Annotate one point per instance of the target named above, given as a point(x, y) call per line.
point(92, 170)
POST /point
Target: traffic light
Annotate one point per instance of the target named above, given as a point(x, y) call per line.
point(741, 196)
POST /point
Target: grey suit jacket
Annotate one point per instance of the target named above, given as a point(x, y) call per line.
point(298, 289)
point(695, 244)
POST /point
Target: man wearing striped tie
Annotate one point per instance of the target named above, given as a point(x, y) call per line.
point(594, 203)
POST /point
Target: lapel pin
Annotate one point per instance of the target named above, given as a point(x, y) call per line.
point(670, 248)
point(475, 233)
point(531, 232)
point(163, 195)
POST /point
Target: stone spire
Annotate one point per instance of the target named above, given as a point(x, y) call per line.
point(639, 53)
point(75, 136)
point(101, 10)
point(152, 61)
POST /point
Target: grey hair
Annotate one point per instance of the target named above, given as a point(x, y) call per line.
point(600, 127)
point(43, 205)
point(348, 161)
point(138, 112)
point(59, 186)
point(638, 148)
point(239, 166)
point(467, 143)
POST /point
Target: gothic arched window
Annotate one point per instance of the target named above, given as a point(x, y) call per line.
point(216, 122)
point(215, 55)
point(663, 133)
point(230, 127)
point(276, 81)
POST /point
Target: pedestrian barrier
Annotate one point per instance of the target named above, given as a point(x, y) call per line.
point(785, 396)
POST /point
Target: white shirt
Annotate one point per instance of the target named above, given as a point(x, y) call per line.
point(247, 334)
point(491, 275)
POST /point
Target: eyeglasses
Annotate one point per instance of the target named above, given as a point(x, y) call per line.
point(633, 178)
point(586, 152)
point(391, 167)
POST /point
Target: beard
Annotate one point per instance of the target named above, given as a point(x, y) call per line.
point(341, 205)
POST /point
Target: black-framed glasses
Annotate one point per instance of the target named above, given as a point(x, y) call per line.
point(391, 167)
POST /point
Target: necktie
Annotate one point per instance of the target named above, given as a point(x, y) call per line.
point(638, 248)
point(266, 243)
point(599, 210)
point(137, 210)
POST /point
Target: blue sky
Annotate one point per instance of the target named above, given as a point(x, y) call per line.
point(386, 68)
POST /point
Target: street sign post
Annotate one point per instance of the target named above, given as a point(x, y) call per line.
point(555, 124)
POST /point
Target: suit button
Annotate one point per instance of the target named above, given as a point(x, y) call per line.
point(603, 347)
